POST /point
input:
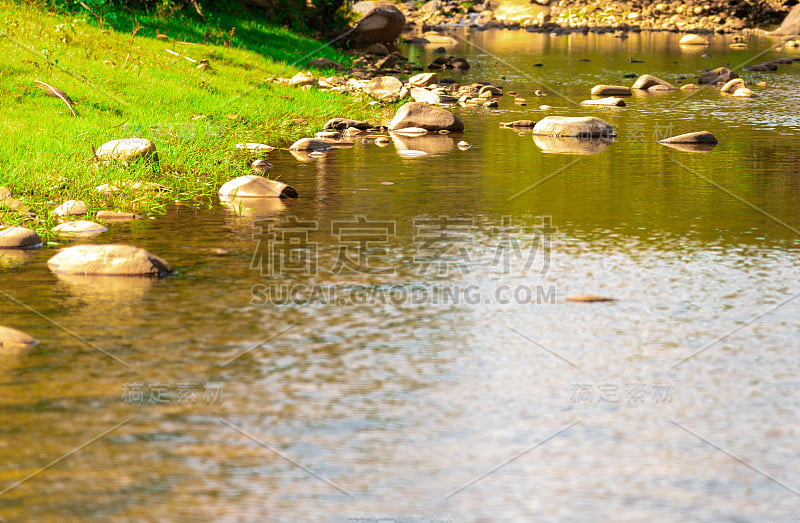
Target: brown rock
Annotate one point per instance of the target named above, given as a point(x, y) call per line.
point(252, 186)
point(416, 114)
point(574, 126)
point(611, 90)
point(18, 238)
point(646, 81)
point(112, 260)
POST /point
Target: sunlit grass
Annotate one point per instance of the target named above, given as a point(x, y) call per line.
point(127, 84)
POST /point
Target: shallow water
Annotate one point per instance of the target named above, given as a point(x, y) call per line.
point(443, 375)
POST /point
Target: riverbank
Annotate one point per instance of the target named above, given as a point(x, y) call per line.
point(194, 89)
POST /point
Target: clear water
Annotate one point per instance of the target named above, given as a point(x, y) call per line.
point(453, 381)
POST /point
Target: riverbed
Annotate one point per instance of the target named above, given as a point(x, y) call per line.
point(397, 343)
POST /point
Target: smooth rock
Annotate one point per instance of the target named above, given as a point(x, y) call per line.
point(13, 339)
point(79, 228)
point(463, 145)
point(127, 149)
point(731, 86)
point(411, 131)
point(416, 114)
point(720, 74)
point(424, 80)
point(519, 123)
point(112, 260)
point(690, 87)
point(429, 143)
point(381, 24)
point(118, 216)
point(436, 39)
point(411, 153)
point(693, 39)
point(18, 238)
point(744, 92)
point(255, 147)
point(611, 90)
point(488, 91)
point(419, 94)
point(700, 137)
point(574, 126)
point(646, 81)
point(340, 124)
point(611, 101)
point(71, 208)
point(301, 79)
point(252, 186)
point(384, 87)
point(310, 144)
point(260, 165)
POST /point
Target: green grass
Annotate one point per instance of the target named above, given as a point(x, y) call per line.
point(125, 84)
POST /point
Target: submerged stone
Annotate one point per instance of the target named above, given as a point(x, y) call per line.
point(699, 137)
point(79, 228)
point(13, 339)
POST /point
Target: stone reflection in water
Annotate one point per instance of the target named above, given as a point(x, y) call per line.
point(430, 143)
point(551, 144)
point(106, 290)
point(15, 257)
point(254, 207)
point(691, 147)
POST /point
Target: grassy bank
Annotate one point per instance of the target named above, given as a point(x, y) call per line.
point(127, 83)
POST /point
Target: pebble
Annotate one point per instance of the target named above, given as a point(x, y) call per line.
point(587, 298)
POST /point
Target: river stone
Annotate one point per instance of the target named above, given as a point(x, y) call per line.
point(260, 165)
point(384, 87)
point(552, 145)
point(519, 123)
point(700, 137)
point(693, 39)
point(426, 96)
point(71, 208)
point(434, 38)
point(744, 92)
point(411, 153)
point(487, 91)
point(382, 24)
point(14, 339)
point(575, 126)
point(731, 86)
point(690, 87)
point(411, 131)
point(255, 147)
point(310, 144)
point(790, 24)
point(252, 186)
point(79, 228)
point(340, 124)
point(417, 114)
point(301, 79)
point(611, 101)
point(127, 149)
point(112, 260)
point(424, 80)
point(611, 90)
point(720, 74)
point(646, 81)
point(18, 238)
point(118, 216)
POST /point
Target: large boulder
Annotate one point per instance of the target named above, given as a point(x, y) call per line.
point(252, 186)
point(791, 24)
point(381, 24)
point(574, 126)
point(720, 74)
point(18, 238)
point(111, 260)
point(127, 149)
point(419, 114)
